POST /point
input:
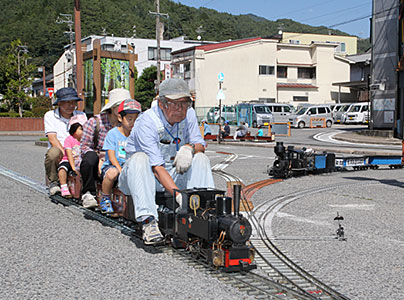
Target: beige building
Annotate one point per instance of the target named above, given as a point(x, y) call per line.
point(345, 45)
point(265, 70)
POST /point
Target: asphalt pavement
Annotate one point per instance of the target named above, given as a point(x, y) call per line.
point(49, 251)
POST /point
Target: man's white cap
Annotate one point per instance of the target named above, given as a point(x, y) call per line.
point(115, 97)
point(174, 88)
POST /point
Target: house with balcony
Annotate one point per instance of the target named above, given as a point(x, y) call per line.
point(264, 70)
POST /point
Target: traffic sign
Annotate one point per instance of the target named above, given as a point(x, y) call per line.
point(220, 95)
point(220, 77)
point(50, 92)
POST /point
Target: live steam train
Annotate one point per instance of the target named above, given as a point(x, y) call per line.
point(292, 162)
point(204, 225)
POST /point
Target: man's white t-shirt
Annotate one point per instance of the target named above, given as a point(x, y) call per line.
point(55, 123)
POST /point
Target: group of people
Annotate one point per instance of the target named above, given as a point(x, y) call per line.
point(160, 149)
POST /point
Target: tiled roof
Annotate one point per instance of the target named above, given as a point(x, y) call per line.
point(226, 44)
point(296, 85)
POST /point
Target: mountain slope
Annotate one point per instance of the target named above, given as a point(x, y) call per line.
point(33, 21)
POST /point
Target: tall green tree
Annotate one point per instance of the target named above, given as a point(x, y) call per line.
point(144, 88)
point(16, 76)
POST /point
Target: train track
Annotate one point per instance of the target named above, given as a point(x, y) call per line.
point(270, 259)
point(278, 277)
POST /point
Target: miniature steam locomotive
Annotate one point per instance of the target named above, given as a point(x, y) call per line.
point(291, 162)
point(204, 225)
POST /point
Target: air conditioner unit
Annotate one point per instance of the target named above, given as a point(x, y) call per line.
point(377, 87)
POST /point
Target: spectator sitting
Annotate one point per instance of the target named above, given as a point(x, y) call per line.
point(114, 145)
point(226, 129)
point(70, 161)
point(260, 131)
point(241, 131)
point(56, 122)
point(206, 128)
point(94, 133)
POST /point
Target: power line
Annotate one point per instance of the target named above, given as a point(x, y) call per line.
point(334, 12)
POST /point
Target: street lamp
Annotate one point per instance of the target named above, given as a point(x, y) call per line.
point(42, 69)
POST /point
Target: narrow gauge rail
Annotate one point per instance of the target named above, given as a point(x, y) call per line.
point(275, 263)
point(254, 284)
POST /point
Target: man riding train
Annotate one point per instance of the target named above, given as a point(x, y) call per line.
point(165, 151)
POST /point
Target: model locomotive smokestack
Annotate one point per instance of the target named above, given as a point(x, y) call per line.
point(236, 199)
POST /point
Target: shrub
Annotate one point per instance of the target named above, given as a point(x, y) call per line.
point(9, 115)
point(39, 112)
point(27, 114)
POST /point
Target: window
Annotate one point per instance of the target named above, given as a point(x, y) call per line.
point(282, 72)
point(306, 73)
point(301, 98)
point(165, 53)
point(312, 111)
point(294, 42)
point(276, 108)
point(286, 109)
point(266, 70)
point(322, 110)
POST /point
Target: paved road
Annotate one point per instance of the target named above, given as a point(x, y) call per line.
point(62, 255)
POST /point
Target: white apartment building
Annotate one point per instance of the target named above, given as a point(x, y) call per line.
point(265, 70)
point(146, 49)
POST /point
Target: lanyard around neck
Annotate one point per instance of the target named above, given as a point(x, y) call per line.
point(175, 140)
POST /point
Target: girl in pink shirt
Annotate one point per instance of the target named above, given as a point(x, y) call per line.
point(71, 160)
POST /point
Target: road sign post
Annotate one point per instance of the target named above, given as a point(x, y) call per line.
point(220, 96)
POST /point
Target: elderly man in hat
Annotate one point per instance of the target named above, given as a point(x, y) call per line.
point(166, 152)
point(56, 124)
point(94, 133)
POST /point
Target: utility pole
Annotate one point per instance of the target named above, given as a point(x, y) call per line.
point(158, 14)
point(21, 48)
point(79, 56)
point(68, 19)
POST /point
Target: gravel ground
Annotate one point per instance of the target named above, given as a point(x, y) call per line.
point(52, 252)
point(84, 259)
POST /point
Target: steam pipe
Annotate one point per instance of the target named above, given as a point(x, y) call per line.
point(236, 199)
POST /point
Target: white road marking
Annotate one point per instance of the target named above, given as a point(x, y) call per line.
point(329, 138)
point(354, 206)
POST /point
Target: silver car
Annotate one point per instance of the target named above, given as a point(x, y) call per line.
point(228, 114)
point(306, 116)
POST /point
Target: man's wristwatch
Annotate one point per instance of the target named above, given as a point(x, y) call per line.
point(193, 148)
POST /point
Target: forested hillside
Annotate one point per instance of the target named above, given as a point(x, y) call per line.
point(33, 22)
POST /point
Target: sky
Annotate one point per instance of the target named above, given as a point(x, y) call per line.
point(351, 16)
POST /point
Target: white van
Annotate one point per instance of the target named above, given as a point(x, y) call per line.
point(280, 111)
point(340, 115)
point(358, 113)
point(303, 116)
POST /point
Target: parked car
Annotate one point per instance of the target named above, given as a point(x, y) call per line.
point(358, 113)
point(302, 117)
point(254, 114)
point(340, 115)
point(228, 113)
point(280, 111)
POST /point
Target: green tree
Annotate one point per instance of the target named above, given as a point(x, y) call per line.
point(16, 76)
point(144, 88)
